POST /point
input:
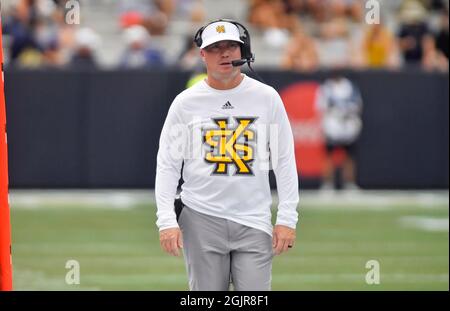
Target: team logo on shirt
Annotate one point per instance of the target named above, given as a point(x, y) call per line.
point(230, 145)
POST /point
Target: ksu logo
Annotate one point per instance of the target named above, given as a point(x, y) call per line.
point(220, 29)
point(230, 146)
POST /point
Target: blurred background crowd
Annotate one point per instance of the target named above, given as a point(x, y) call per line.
point(300, 35)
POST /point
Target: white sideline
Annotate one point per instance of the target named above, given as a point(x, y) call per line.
point(322, 199)
point(425, 223)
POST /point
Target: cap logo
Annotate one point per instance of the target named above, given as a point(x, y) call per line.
point(220, 29)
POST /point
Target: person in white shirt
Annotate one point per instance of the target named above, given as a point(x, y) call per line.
point(340, 104)
point(224, 134)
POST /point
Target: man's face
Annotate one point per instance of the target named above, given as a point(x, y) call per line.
point(218, 57)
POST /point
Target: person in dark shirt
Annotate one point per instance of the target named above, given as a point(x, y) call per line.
point(442, 35)
point(86, 43)
point(414, 33)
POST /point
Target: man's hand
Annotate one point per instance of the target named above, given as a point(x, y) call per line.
point(283, 238)
point(171, 240)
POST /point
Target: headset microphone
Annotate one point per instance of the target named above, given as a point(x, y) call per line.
point(238, 62)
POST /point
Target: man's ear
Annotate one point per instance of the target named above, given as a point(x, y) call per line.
point(202, 55)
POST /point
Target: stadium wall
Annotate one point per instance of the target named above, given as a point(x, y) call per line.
point(97, 129)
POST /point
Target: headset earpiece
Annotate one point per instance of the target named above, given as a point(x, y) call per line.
point(246, 47)
point(198, 36)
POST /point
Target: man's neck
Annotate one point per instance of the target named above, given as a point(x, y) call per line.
point(225, 83)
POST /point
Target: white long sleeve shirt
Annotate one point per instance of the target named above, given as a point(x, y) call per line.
point(228, 140)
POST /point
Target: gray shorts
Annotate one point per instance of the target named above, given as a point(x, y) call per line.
point(218, 251)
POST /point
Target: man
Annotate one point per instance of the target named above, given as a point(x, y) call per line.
point(221, 130)
point(340, 102)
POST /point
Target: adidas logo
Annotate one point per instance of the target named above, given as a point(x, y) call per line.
point(227, 105)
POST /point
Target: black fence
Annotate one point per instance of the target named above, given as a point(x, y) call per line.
point(100, 129)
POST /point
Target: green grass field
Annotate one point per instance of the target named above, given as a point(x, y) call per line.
point(115, 240)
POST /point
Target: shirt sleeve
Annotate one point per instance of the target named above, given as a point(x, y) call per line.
point(168, 169)
point(284, 166)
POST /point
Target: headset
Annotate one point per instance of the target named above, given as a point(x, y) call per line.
point(246, 52)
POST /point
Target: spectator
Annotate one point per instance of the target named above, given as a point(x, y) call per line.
point(271, 15)
point(276, 18)
point(189, 58)
point(335, 33)
point(414, 34)
point(267, 13)
point(47, 35)
point(154, 15)
point(19, 25)
point(322, 10)
point(139, 52)
point(335, 45)
point(301, 53)
point(194, 9)
point(433, 59)
point(354, 9)
point(344, 9)
point(442, 35)
point(379, 47)
point(34, 27)
point(86, 44)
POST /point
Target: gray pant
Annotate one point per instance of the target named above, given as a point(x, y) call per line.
point(217, 250)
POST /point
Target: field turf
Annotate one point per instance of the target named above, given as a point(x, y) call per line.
point(114, 238)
